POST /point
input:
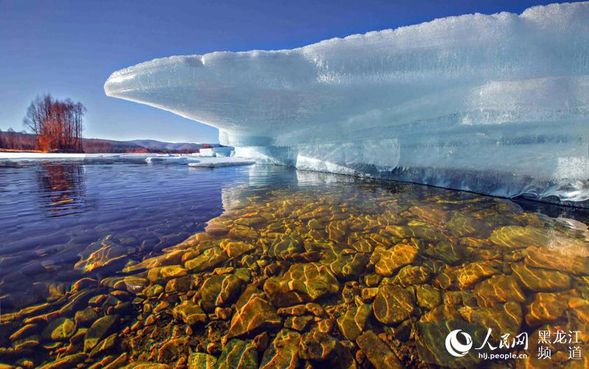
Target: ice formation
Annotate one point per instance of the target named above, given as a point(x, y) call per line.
point(496, 104)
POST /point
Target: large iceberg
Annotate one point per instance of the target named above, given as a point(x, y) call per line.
point(495, 104)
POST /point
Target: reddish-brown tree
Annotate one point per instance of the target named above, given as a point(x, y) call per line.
point(57, 124)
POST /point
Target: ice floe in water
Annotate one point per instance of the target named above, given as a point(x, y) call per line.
point(496, 104)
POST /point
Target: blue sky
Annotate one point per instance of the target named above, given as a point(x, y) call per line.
point(69, 48)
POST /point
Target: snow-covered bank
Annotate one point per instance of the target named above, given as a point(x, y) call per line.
point(23, 156)
point(154, 159)
point(496, 104)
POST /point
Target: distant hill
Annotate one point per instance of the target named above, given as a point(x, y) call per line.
point(25, 141)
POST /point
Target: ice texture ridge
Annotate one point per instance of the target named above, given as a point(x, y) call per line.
point(496, 104)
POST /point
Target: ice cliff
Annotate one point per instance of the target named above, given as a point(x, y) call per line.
point(496, 104)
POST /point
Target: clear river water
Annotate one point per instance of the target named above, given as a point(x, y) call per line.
point(110, 265)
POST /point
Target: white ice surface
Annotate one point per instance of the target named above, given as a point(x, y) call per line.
point(218, 162)
point(165, 159)
point(180, 159)
point(66, 156)
point(497, 104)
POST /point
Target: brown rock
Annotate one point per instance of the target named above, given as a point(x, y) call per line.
point(283, 353)
point(189, 313)
point(209, 259)
point(562, 259)
point(428, 297)
point(200, 360)
point(377, 352)
point(411, 274)
point(301, 283)
point(387, 261)
point(298, 323)
point(318, 346)
point(256, 315)
point(540, 279)
point(98, 330)
point(498, 288)
point(471, 273)
point(296, 310)
point(393, 304)
point(546, 307)
point(238, 354)
point(236, 248)
point(351, 324)
point(219, 290)
point(518, 237)
point(506, 318)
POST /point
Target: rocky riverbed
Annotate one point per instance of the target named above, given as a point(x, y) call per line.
point(370, 278)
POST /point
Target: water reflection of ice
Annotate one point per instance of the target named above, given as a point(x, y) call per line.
point(262, 178)
point(305, 177)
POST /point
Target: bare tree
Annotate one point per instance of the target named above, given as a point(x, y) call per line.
point(57, 124)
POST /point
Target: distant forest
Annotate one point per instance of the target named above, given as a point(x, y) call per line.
point(22, 141)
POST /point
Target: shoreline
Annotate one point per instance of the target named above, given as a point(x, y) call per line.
point(191, 160)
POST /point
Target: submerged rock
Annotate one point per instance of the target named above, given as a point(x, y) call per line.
point(283, 352)
point(190, 313)
point(68, 361)
point(541, 279)
point(387, 261)
point(393, 304)
point(377, 352)
point(471, 273)
point(546, 307)
point(219, 290)
point(518, 237)
point(565, 259)
point(430, 343)
point(411, 275)
point(200, 360)
point(209, 259)
point(317, 346)
point(351, 324)
point(236, 248)
point(301, 283)
point(286, 247)
point(498, 288)
point(238, 354)
point(506, 318)
point(428, 297)
point(103, 254)
point(59, 329)
point(255, 315)
point(448, 252)
point(298, 323)
point(98, 330)
point(347, 266)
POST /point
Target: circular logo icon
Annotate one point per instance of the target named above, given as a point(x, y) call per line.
point(455, 347)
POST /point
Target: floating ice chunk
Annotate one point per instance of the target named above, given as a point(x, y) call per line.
point(167, 160)
point(496, 104)
point(218, 162)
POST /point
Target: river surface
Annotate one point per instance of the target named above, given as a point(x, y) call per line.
point(119, 264)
